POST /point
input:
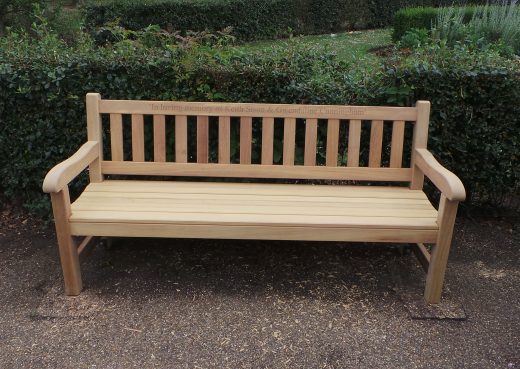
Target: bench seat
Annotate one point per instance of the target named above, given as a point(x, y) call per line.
point(254, 211)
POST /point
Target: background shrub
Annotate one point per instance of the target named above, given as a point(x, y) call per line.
point(422, 18)
point(251, 19)
point(475, 126)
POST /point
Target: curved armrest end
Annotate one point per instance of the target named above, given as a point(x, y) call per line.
point(59, 176)
point(447, 182)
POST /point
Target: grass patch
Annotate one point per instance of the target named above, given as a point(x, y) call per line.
point(349, 46)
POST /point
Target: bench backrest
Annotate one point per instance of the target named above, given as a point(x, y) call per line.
point(345, 127)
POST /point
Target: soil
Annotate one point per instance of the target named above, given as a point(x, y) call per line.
point(173, 303)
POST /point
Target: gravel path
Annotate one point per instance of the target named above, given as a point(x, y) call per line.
point(240, 304)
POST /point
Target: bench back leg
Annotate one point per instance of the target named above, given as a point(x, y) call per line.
point(439, 257)
point(68, 252)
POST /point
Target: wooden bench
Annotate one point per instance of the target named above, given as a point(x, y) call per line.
point(400, 213)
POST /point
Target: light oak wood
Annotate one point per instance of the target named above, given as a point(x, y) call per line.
point(354, 143)
point(116, 137)
point(181, 139)
point(137, 137)
point(257, 189)
point(420, 141)
point(258, 110)
point(255, 210)
point(267, 140)
point(253, 232)
point(94, 133)
point(257, 171)
point(86, 243)
point(376, 144)
point(68, 251)
point(439, 256)
point(311, 141)
point(447, 182)
point(159, 138)
point(396, 151)
point(289, 141)
point(246, 139)
point(224, 140)
point(332, 142)
point(202, 139)
point(422, 254)
point(59, 176)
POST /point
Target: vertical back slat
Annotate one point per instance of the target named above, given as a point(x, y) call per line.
point(181, 139)
point(267, 140)
point(246, 136)
point(137, 137)
point(396, 151)
point(376, 144)
point(224, 140)
point(289, 140)
point(354, 142)
point(116, 137)
point(159, 138)
point(332, 142)
point(311, 138)
point(202, 139)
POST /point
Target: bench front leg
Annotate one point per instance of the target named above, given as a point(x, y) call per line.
point(441, 250)
point(69, 256)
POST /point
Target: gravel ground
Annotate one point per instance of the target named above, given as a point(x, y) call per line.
point(240, 304)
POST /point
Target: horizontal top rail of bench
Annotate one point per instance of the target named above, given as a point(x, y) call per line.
point(258, 110)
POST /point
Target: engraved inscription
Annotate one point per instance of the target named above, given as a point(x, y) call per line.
point(259, 110)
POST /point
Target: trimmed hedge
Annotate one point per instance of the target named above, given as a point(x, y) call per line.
point(250, 19)
point(420, 18)
point(475, 126)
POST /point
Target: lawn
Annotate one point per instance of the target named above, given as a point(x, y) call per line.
point(349, 46)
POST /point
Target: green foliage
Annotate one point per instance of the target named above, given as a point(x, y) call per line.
point(488, 25)
point(475, 118)
point(250, 19)
point(484, 25)
point(475, 124)
point(414, 38)
point(425, 18)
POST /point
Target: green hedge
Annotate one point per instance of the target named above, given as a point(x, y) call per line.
point(475, 126)
point(250, 19)
point(420, 18)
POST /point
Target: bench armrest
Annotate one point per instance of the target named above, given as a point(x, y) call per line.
point(447, 182)
point(60, 176)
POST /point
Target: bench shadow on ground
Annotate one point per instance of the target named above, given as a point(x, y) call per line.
point(177, 270)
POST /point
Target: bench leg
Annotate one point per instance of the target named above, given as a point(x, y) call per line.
point(68, 252)
point(439, 257)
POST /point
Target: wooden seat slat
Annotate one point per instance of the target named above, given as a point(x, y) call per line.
point(249, 200)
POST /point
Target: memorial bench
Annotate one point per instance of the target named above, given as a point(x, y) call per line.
point(359, 211)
